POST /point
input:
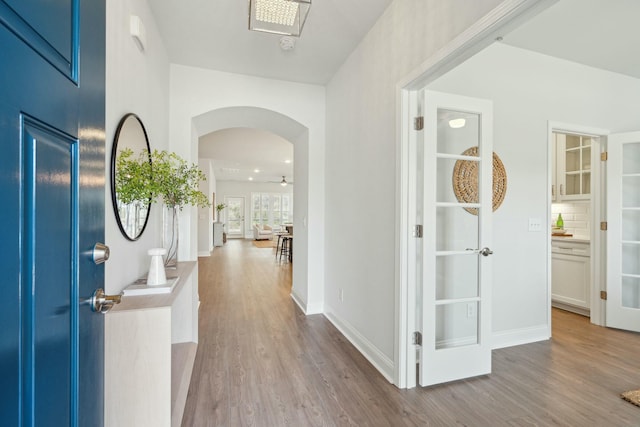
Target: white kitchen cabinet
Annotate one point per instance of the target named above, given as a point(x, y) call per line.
point(571, 178)
point(571, 276)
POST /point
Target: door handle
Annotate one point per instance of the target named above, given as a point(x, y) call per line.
point(102, 303)
point(100, 253)
point(485, 252)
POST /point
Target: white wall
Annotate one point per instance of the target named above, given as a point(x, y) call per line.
point(528, 90)
point(196, 92)
point(136, 82)
point(361, 191)
point(205, 215)
point(244, 189)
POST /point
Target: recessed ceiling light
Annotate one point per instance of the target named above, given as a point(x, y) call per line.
point(457, 123)
point(256, 170)
point(250, 178)
point(287, 161)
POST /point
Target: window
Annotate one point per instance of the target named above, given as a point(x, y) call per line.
point(273, 209)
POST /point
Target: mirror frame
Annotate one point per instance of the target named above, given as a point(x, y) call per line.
point(114, 152)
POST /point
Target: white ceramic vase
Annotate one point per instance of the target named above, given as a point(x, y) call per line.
point(156, 274)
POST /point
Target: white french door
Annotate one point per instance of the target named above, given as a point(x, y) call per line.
point(456, 266)
point(235, 216)
point(623, 235)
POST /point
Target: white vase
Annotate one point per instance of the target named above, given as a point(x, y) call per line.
point(170, 235)
point(156, 275)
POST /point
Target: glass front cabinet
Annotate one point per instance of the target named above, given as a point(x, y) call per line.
point(572, 174)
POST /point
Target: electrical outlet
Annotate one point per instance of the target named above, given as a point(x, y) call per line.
point(471, 309)
point(341, 295)
point(535, 224)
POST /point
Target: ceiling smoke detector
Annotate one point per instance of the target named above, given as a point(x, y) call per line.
point(287, 43)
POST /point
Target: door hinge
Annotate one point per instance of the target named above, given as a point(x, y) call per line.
point(417, 230)
point(604, 156)
point(603, 295)
point(603, 226)
point(418, 123)
point(417, 338)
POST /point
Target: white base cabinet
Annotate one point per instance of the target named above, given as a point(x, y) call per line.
point(571, 276)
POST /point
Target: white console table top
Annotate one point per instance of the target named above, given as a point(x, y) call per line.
point(138, 302)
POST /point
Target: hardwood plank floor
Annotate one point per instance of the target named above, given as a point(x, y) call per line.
point(261, 362)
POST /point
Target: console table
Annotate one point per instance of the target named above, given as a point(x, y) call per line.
point(150, 347)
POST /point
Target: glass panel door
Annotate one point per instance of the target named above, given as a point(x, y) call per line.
point(457, 208)
point(623, 235)
point(235, 216)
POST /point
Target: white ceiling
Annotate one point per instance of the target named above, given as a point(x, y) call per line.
point(237, 152)
point(213, 34)
point(598, 33)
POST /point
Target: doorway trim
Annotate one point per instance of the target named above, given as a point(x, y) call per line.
point(597, 209)
point(506, 16)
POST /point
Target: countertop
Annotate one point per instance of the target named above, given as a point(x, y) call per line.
point(574, 239)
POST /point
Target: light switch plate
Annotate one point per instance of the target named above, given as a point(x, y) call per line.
point(535, 224)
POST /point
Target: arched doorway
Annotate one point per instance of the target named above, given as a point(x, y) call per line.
point(298, 135)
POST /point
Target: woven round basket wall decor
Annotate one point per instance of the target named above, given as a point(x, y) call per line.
point(465, 180)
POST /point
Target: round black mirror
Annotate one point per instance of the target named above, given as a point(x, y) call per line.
point(131, 140)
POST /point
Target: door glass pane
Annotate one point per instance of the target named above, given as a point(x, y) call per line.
point(456, 325)
point(447, 170)
point(457, 229)
point(457, 131)
point(631, 292)
point(630, 258)
point(631, 225)
point(631, 158)
point(630, 193)
point(456, 276)
point(235, 215)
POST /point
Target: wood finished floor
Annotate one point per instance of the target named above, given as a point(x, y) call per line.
point(261, 362)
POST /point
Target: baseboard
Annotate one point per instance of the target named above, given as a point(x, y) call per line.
point(204, 254)
point(521, 336)
point(307, 309)
point(572, 308)
point(378, 359)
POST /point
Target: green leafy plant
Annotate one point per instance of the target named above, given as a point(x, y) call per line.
point(220, 206)
point(163, 177)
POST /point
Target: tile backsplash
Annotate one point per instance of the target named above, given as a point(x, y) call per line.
point(576, 217)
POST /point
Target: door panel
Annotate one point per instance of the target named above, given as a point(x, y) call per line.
point(52, 187)
point(456, 298)
point(50, 180)
point(49, 28)
point(623, 235)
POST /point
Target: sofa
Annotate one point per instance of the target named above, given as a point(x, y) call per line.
point(262, 232)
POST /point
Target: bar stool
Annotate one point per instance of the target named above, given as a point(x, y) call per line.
point(285, 249)
point(280, 235)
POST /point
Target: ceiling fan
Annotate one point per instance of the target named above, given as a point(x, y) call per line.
point(283, 182)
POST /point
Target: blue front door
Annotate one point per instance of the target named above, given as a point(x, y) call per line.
point(52, 192)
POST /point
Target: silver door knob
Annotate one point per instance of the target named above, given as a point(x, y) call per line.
point(102, 303)
point(100, 253)
point(485, 251)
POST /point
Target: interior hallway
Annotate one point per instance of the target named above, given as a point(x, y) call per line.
point(261, 362)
